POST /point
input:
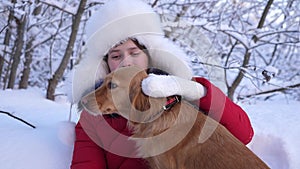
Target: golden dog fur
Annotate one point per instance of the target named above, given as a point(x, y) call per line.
point(180, 138)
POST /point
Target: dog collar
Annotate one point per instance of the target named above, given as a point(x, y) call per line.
point(171, 101)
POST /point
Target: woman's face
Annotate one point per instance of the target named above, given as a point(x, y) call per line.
point(127, 54)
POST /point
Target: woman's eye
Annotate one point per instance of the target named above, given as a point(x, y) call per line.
point(135, 53)
point(112, 85)
point(115, 57)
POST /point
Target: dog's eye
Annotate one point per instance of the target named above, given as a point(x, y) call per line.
point(112, 85)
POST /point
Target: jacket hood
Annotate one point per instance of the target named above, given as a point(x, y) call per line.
point(113, 23)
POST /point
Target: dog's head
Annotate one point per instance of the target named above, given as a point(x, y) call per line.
point(121, 93)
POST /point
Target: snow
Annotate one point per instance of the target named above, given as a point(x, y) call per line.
point(50, 144)
point(276, 127)
point(272, 69)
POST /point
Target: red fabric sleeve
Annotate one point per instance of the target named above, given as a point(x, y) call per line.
point(221, 108)
point(86, 153)
point(134, 163)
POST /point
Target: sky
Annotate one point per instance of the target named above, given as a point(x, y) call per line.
point(50, 144)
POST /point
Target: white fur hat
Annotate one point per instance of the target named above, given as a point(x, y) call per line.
point(115, 22)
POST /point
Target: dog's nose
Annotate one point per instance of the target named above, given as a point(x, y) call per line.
point(108, 110)
point(84, 100)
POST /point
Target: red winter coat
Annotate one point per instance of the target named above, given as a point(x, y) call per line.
point(93, 133)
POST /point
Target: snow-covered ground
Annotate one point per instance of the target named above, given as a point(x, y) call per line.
point(50, 144)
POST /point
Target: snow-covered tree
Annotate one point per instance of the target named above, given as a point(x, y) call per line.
point(246, 47)
point(256, 41)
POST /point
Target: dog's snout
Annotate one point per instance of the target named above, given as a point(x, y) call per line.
point(108, 109)
point(84, 100)
point(89, 103)
point(88, 99)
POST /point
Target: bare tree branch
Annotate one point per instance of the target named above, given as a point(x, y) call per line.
point(57, 7)
point(263, 18)
point(18, 118)
point(154, 3)
point(3, 28)
point(271, 91)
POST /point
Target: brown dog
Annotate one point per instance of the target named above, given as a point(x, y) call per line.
point(178, 138)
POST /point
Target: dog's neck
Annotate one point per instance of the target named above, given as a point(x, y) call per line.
point(171, 101)
point(164, 132)
point(157, 120)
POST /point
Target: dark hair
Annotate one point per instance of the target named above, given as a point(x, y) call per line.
point(135, 41)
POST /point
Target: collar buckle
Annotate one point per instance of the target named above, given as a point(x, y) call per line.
point(171, 101)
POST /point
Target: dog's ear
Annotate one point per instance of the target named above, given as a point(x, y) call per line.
point(140, 102)
point(138, 99)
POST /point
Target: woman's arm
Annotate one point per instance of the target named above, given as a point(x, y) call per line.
point(86, 153)
point(221, 108)
point(212, 101)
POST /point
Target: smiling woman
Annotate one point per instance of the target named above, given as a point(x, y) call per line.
point(102, 141)
point(128, 53)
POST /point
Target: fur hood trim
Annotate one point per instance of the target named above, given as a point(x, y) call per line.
point(117, 21)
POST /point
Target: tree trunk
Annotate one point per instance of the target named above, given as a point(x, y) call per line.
point(247, 55)
point(2, 57)
point(263, 18)
point(18, 50)
point(6, 75)
point(28, 60)
point(6, 45)
point(52, 83)
point(1, 67)
point(240, 76)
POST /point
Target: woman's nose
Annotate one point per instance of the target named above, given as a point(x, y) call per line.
point(127, 61)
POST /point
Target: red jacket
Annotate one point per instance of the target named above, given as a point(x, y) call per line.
point(98, 146)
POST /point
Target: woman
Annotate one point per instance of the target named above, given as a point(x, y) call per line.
point(133, 36)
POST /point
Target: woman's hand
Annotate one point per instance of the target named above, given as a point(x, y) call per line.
point(164, 86)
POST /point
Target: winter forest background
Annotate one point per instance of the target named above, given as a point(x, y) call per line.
point(255, 44)
point(249, 48)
